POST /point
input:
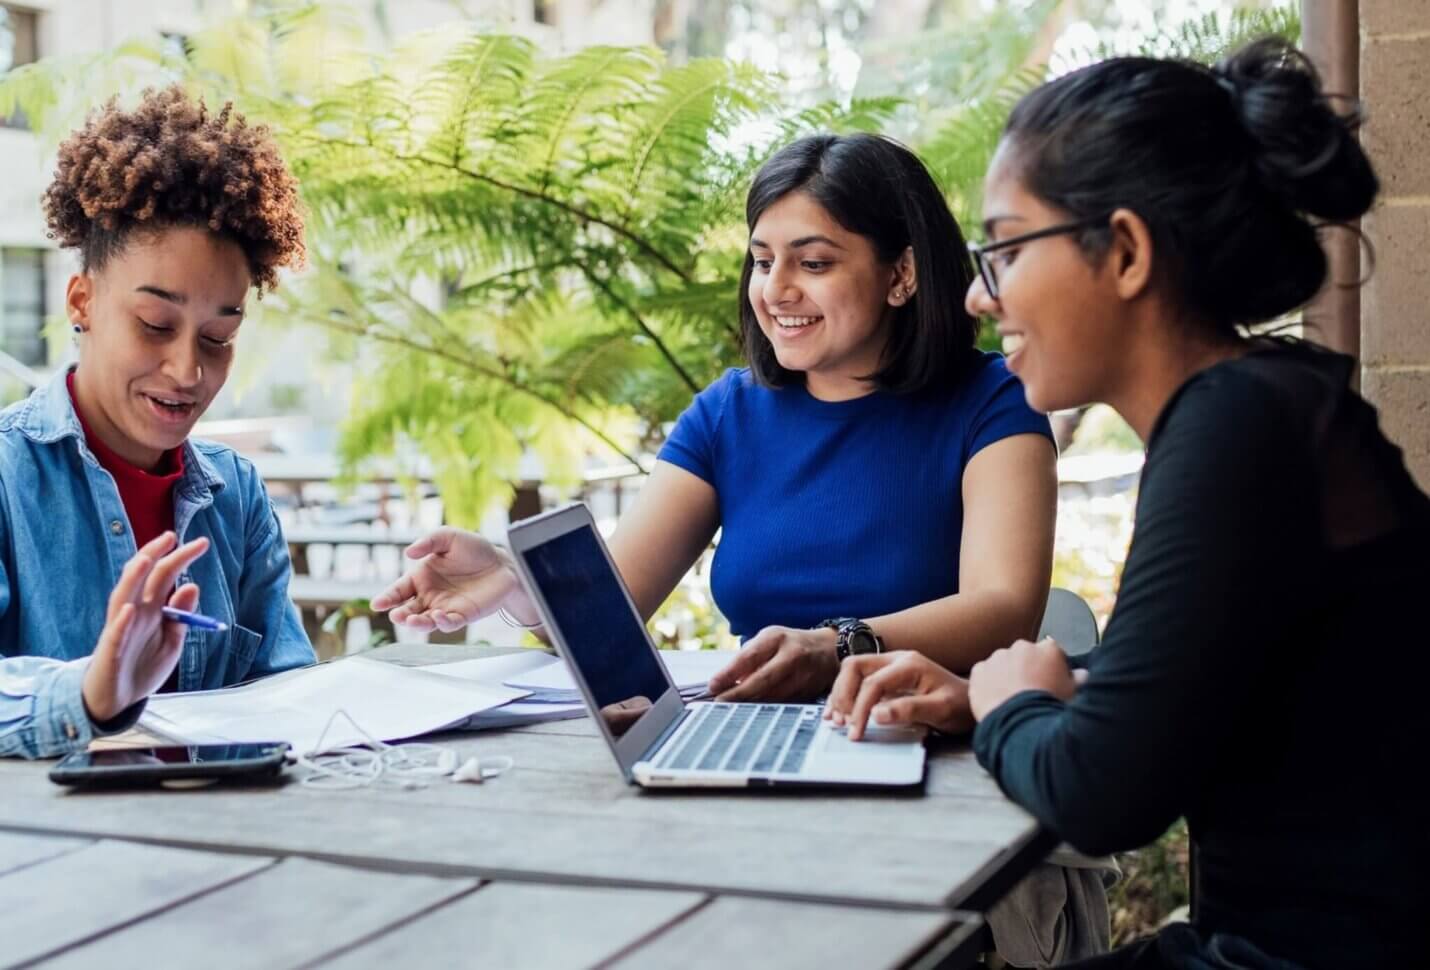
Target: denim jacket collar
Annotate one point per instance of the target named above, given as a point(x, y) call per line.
point(49, 417)
point(64, 543)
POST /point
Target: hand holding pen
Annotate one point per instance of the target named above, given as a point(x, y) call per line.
point(140, 644)
point(196, 620)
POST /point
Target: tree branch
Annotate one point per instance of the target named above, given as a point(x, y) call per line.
point(487, 372)
point(538, 196)
point(665, 351)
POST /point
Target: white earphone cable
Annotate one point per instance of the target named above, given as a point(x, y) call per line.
point(412, 765)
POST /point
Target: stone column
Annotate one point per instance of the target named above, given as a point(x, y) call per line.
point(1395, 304)
point(1330, 36)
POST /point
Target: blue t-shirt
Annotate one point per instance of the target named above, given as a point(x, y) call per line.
point(845, 508)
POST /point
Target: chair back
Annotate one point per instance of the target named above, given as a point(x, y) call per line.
point(1069, 620)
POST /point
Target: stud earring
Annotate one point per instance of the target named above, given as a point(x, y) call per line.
point(77, 328)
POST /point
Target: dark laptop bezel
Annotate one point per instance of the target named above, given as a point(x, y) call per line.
point(630, 747)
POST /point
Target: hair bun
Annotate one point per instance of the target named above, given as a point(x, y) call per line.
point(1305, 152)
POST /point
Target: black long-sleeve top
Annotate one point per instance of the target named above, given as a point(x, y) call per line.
point(1263, 673)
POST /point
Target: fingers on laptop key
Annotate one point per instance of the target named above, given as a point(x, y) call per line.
point(900, 710)
point(749, 673)
point(876, 687)
point(733, 672)
point(756, 685)
point(852, 673)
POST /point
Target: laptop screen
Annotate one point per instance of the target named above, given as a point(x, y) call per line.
point(603, 635)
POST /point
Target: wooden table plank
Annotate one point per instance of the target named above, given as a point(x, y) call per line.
point(881, 869)
point(736, 932)
point(103, 886)
point(512, 925)
point(565, 814)
point(18, 851)
point(293, 913)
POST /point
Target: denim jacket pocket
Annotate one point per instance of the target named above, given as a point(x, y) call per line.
point(241, 648)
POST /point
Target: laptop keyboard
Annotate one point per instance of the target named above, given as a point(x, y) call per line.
point(760, 739)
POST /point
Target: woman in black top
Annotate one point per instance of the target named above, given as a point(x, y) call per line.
point(1263, 669)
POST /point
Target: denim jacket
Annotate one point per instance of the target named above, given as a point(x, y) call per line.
point(64, 539)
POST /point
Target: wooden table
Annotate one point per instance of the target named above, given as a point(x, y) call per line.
point(557, 863)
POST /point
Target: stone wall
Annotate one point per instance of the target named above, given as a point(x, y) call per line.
point(1395, 304)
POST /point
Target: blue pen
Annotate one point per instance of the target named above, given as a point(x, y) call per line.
point(194, 619)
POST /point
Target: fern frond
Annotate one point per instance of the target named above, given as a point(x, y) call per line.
point(1205, 39)
point(470, 98)
point(578, 101)
point(527, 254)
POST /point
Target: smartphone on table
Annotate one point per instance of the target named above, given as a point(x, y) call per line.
point(177, 766)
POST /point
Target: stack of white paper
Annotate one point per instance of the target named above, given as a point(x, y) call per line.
point(528, 709)
point(550, 693)
point(387, 701)
point(690, 669)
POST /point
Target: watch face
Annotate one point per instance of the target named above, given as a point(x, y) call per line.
point(862, 641)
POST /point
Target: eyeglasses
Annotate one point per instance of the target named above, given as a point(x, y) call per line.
point(981, 252)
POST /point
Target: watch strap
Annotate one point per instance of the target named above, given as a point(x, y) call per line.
point(844, 628)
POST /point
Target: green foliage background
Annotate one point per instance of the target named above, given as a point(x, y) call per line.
point(527, 252)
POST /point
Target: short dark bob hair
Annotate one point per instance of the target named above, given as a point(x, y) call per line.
point(873, 186)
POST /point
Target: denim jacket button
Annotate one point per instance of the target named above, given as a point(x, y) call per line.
point(70, 731)
point(117, 527)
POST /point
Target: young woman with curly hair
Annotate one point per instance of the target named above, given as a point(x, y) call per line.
point(177, 213)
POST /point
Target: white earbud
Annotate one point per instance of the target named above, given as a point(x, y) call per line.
point(407, 766)
point(469, 770)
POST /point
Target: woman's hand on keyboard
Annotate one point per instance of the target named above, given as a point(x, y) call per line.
point(780, 663)
point(898, 688)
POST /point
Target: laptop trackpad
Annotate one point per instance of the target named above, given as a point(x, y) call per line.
point(878, 742)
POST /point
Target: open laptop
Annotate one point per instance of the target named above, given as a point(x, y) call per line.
point(658, 740)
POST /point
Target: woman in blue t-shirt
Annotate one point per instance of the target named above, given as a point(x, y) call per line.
point(871, 474)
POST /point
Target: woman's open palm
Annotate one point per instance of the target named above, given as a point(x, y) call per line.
point(461, 578)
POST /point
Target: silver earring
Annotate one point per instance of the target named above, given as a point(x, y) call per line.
point(77, 328)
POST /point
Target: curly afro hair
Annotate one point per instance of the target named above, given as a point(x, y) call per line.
point(170, 162)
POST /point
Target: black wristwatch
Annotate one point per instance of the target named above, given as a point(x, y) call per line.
point(854, 637)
